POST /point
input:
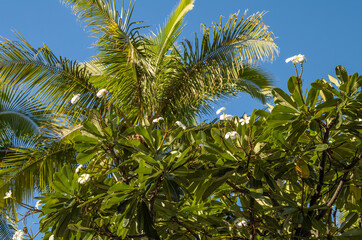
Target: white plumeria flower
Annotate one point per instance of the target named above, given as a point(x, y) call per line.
point(226, 117)
point(244, 120)
point(180, 124)
point(220, 110)
point(75, 98)
point(37, 205)
point(157, 120)
point(296, 59)
point(78, 168)
point(84, 178)
point(240, 222)
point(51, 237)
point(8, 194)
point(231, 135)
point(359, 119)
point(18, 235)
point(101, 93)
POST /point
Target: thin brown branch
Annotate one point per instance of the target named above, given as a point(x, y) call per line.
point(339, 187)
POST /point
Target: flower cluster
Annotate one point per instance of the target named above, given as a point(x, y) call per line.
point(231, 135)
point(101, 93)
point(181, 125)
point(224, 116)
point(18, 235)
point(296, 59)
point(8, 194)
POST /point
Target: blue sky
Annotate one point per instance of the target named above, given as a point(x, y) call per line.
point(328, 33)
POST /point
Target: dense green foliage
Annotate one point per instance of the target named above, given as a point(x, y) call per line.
point(109, 168)
point(147, 76)
point(290, 173)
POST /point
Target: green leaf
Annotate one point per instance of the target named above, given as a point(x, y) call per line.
point(174, 190)
point(280, 97)
point(302, 168)
point(83, 158)
point(341, 74)
point(292, 84)
point(350, 219)
point(356, 190)
point(320, 147)
point(334, 80)
point(215, 133)
point(355, 234)
point(91, 128)
point(147, 221)
point(312, 97)
point(145, 134)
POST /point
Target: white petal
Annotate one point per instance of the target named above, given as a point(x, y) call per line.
point(101, 93)
point(181, 125)
point(228, 117)
point(37, 205)
point(75, 98)
point(78, 168)
point(220, 110)
point(84, 178)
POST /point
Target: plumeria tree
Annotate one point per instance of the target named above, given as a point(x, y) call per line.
point(291, 173)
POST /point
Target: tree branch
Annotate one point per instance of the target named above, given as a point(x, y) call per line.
point(318, 189)
point(340, 187)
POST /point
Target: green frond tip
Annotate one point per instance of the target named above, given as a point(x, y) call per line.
point(101, 15)
point(172, 28)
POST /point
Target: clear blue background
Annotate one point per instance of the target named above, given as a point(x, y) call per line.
point(328, 33)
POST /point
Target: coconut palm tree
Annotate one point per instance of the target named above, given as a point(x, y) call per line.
point(23, 122)
point(145, 76)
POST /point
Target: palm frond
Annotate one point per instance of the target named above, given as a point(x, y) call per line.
point(25, 169)
point(6, 231)
point(122, 51)
point(100, 14)
point(54, 79)
point(171, 30)
point(22, 112)
point(219, 64)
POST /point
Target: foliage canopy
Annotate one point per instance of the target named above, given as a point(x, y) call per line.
point(289, 173)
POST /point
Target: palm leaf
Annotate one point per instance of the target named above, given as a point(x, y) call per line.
point(26, 169)
point(54, 79)
point(217, 66)
point(6, 231)
point(21, 112)
point(171, 30)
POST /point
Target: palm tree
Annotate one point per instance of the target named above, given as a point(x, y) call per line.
point(146, 76)
point(23, 122)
